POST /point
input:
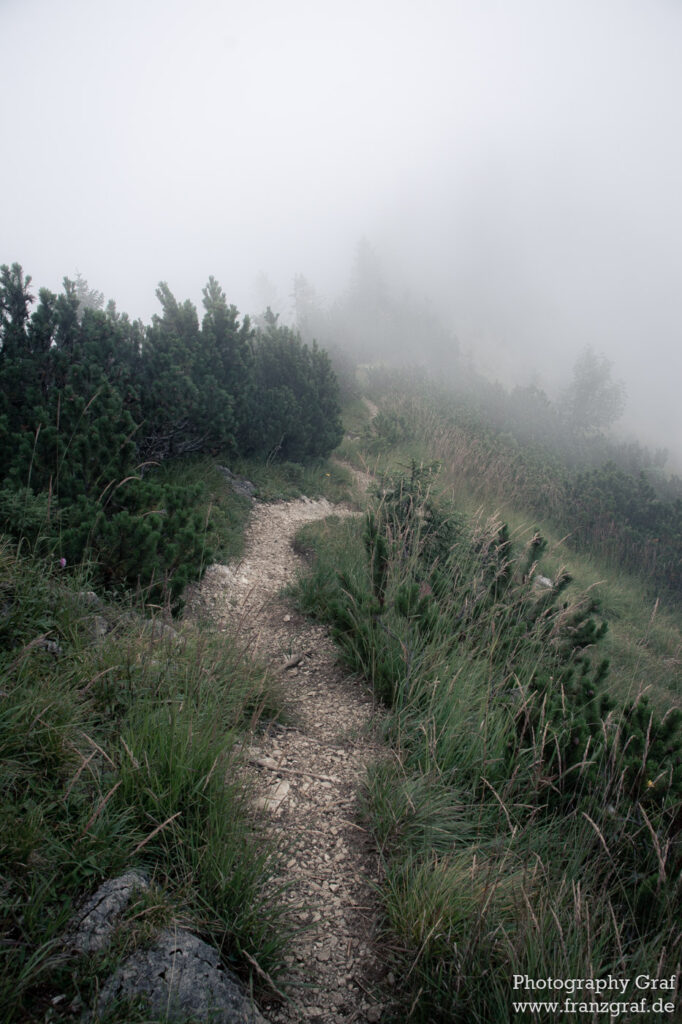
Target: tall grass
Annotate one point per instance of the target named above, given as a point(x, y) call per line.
point(528, 822)
point(482, 478)
point(121, 751)
point(279, 481)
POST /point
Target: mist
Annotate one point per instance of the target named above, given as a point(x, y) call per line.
point(515, 168)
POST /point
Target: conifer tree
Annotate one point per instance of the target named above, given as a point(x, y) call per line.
point(224, 371)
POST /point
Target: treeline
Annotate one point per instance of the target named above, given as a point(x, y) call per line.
point(91, 403)
point(555, 459)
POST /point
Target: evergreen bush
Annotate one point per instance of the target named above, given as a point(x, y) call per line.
point(91, 405)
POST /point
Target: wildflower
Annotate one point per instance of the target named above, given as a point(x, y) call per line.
point(62, 563)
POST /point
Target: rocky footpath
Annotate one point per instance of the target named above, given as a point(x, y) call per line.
point(308, 775)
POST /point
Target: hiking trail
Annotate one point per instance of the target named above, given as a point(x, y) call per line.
point(308, 774)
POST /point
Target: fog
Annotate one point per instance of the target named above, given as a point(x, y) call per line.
point(515, 164)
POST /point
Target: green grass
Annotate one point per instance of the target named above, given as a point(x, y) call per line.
point(644, 642)
point(503, 852)
point(355, 416)
point(223, 512)
point(281, 481)
point(119, 753)
point(644, 639)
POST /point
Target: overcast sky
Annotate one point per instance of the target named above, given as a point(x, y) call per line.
point(519, 161)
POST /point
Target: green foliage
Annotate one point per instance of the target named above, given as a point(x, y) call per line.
point(296, 385)
point(116, 754)
point(279, 481)
point(527, 823)
point(91, 404)
point(388, 428)
point(518, 450)
point(592, 401)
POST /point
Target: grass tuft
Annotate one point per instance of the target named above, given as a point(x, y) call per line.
point(117, 751)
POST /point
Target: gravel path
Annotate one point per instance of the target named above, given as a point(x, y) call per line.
point(308, 775)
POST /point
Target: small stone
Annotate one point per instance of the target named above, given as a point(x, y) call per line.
point(274, 797)
point(374, 1013)
point(266, 762)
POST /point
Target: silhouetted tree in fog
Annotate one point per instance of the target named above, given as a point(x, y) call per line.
point(593, 401)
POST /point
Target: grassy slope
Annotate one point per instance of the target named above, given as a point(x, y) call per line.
point(480, 882)
point(79, 803)
point(122, 750)
point(644, 641)
point(115, 754)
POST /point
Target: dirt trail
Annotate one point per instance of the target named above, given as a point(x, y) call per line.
point(309, 774)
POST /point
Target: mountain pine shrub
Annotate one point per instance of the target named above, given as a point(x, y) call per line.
point(91, 405)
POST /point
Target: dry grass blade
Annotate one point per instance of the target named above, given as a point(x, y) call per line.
point(660, 855)
point(156, 831)
point(97, 747)
point(599, 833)
point(512, 828)
point(265, 976)
point(84, 764)
point(100, 807)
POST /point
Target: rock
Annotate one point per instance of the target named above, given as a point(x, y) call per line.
point(238, 484)
point(99, 627)
point(156, 629)
point(180, 976)
point(51, 646)
point(266, 762)
point(374, 1013)
point(92, 927)
point(274, 797)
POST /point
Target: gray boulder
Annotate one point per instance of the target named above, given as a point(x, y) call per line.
point(180, 976)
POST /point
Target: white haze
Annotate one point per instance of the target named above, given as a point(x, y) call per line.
point(518, 161)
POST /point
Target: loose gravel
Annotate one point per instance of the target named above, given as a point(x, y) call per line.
point(308, 775)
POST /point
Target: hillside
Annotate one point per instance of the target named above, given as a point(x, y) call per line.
point(365, 729)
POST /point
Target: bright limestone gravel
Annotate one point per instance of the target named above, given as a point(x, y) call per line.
point(308, 774)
